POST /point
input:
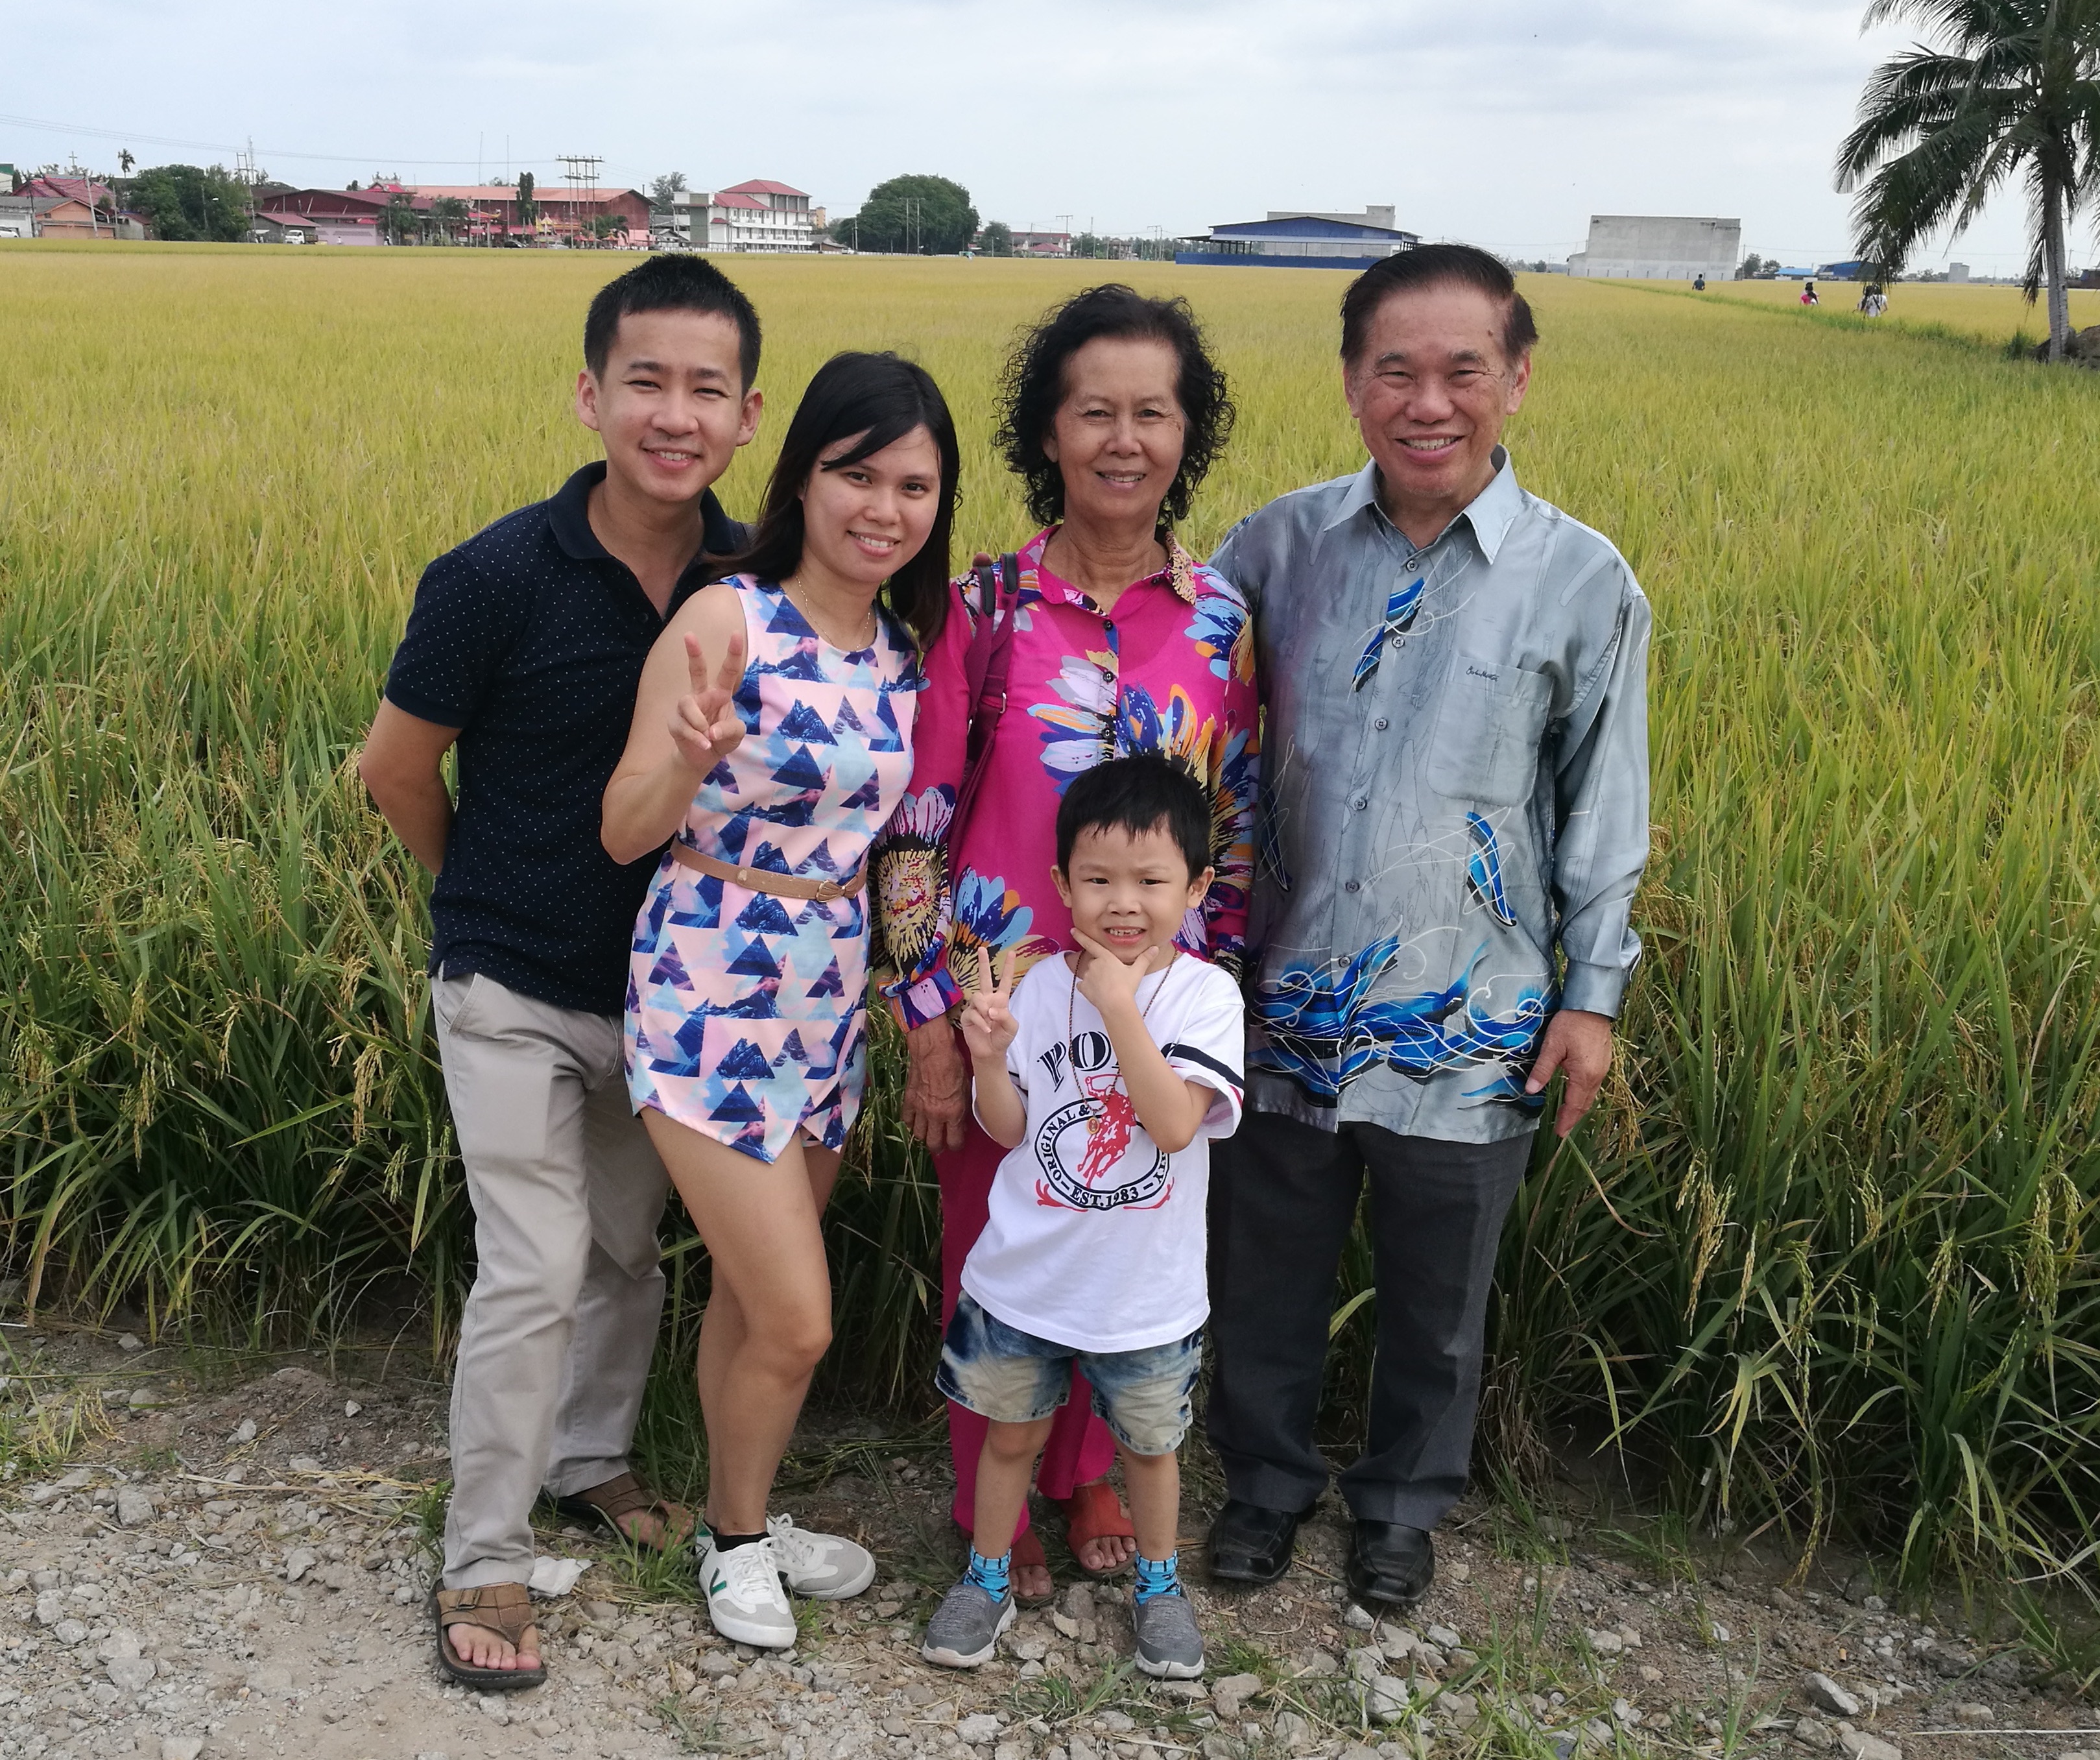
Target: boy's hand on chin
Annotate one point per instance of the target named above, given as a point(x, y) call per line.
point(1104, 980)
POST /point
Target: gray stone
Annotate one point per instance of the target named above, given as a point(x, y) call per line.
point(978, 1729)
point(1605, 1644)
point(1229, 1696)
point(1443, 1637)
point(1291, 1730)
point(69, 1632)
point(1859, 1745)
point(51, 1605)
point(129, 1342)
point(1363, 1663)
point(270, 1678)
point(1825, 1693)
point(1969, 1712)
point(131, 1673)
point(120, 1643)
point(1357, 1619)
point(1813, 1732)
point(181, 1747)
point(1385, 1698)
point(297, 1562)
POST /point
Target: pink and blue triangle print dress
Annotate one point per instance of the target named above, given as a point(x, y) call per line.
point(746, 1011)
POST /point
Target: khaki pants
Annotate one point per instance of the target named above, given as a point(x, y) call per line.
point(555, 1342)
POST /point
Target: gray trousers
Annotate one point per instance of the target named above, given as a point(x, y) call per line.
point(1283, 1198)
point(556, 1339)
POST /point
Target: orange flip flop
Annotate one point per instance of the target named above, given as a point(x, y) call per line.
point(1094, 1512)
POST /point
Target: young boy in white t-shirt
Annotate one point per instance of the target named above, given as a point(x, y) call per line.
point(1105, 1074)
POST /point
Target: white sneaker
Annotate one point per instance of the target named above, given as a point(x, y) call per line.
point(745, 1599)
point(824, 1566)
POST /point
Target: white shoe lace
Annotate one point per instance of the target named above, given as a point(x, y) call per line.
point(797, 1547)
point(752, 1573)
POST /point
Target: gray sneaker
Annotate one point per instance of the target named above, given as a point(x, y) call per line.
point(964, 1629)
point(1169, 1646)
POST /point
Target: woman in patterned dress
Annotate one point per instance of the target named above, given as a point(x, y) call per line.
point(772, 738)
point(1123, 643)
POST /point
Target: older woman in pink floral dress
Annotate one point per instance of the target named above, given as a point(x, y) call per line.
point(1121, 643)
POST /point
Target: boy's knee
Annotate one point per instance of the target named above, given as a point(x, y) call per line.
point(1011, 1443)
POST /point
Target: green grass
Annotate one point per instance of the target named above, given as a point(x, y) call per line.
point(1824, 1260)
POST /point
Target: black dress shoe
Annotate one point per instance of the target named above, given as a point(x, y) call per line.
point(1251, 1545)
point(1390, 1565)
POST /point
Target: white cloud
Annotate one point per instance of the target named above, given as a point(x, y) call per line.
point(1509, 122)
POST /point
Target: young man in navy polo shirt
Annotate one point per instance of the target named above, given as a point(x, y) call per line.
point(524, 648)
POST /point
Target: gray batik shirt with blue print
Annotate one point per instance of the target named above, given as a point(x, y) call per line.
point(1455, 808)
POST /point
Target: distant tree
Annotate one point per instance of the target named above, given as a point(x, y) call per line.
point(2016, 91)
point(1749, 268)
point(528, 210)
point(1086, 245)
point(919, 214)
point(664, 190)
point(447, 218)
point(398, 221)
point(125, 162)
point(996, 240)
point(191, 202)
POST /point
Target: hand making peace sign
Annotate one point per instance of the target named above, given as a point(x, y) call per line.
point(705, 726)
point(988, 1022)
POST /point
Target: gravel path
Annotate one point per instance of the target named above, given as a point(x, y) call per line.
point(196, 1574)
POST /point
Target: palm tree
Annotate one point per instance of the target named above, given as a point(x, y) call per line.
point(1941, 130)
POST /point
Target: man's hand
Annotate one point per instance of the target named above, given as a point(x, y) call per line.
point(937, 1087)
point(1577, 1044)
point(1104, 980)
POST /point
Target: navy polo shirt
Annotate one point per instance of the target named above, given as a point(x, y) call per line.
point(530, 639)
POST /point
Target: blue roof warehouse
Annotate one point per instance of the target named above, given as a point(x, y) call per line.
point(1286, 239)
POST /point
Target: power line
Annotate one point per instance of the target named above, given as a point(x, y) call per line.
point(228, 146)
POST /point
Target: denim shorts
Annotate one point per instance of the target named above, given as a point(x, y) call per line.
point(1011, 1377)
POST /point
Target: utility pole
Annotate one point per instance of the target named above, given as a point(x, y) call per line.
point(1066, 220)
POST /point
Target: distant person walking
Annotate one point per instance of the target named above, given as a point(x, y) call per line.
point(1100, 637)
point(772, 738)
point(1873, 302)
point(1698, 283)
point(523, 649)
point(1808, 294)
point(1455, 816)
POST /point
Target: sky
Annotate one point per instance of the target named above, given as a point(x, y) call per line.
point(1504, 122)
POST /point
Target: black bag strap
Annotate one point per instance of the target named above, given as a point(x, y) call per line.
point(985, 669)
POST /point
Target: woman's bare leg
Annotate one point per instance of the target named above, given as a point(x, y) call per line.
point(768, 1318)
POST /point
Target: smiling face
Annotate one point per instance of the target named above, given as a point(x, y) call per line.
point(671, 405)
point(863, 521)
point(1117, 437)
point(1431, 390)
point(1129, 893)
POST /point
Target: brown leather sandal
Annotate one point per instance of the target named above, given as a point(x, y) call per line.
point(504, 1608)
point(624, 1496)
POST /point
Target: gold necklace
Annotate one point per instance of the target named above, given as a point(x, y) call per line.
point(869, 623)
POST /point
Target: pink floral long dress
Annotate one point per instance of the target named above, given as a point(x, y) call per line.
point(1171, 669)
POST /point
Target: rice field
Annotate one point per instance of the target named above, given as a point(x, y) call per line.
point(1824, 1259)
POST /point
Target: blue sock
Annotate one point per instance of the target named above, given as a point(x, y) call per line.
point(1158, 1576)
point(989, 1574)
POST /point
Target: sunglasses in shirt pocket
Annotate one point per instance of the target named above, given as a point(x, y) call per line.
point(1489, 727)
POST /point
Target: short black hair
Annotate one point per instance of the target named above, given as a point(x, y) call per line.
point(873, 400)
point(675, 281)
point(1034, 386)
point(1148, 791)
point(1434, 265)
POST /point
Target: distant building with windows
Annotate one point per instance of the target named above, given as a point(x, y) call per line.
point(759, 215)
point(1646, 247)
point(1035, 244)
point(1292, 240)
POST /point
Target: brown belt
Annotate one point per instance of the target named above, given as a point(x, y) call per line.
point(765, 880)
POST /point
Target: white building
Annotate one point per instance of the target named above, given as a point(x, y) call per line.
point(753, 216)
point(1659, 247)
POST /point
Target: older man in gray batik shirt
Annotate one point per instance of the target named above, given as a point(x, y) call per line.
point(1456, 754)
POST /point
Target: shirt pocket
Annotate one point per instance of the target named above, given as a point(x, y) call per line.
point(1488, 731)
